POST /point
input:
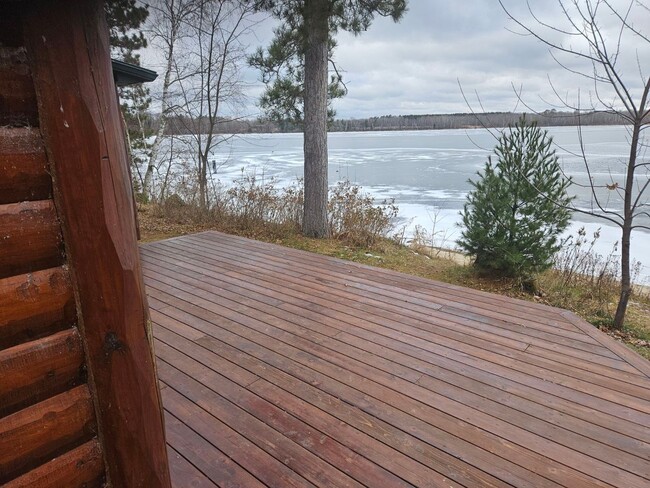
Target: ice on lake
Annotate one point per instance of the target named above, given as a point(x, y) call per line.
point(427, 172)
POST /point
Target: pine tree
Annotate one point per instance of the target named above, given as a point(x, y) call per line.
point(295, 69)
point(135, 104)
point(125, 19)
point(517, 209)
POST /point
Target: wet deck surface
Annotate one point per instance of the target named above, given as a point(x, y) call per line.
point(283, 368)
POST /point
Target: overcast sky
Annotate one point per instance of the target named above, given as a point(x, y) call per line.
point(416, 65)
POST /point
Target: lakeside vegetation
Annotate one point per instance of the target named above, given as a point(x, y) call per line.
point(363, 232)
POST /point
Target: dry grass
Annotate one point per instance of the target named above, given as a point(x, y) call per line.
point(591, 300)
point(154, 227)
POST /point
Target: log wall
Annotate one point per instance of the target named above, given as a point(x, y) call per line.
point(79, 401)
point(46, 409)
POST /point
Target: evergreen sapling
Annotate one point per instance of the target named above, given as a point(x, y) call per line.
point(518, 208)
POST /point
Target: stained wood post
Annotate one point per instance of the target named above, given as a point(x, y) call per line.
point(67, 43)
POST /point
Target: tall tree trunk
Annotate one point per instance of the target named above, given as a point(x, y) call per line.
point(148, 175)
point(315, 124)
point(626, 279)
point(203, 180)
point(628, 216)
point(146, 183)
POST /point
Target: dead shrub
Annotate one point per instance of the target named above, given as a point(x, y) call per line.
point(356, 218)
point(254, 205)
point(583, 278)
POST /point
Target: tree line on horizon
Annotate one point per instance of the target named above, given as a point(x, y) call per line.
point(176, 125)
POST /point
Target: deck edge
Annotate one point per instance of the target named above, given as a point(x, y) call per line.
point(618, 348)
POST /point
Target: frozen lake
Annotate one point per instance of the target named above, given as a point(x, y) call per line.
point(426, 172)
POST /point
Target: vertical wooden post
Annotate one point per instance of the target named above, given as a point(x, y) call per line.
point(67, 41)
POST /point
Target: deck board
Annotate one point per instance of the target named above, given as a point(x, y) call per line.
point(305, 273)
point(454, 314)
point(284, 368)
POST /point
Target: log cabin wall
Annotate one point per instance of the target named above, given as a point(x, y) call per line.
point(47, 417)
point(79, 402)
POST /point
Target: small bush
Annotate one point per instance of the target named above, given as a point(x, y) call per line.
point(518, 207)
point(431, 241)
point(578, 263)
point(174, 202)
point(354, 216)
point(252, 201)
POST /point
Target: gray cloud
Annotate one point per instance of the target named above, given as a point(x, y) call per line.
point(415, 66)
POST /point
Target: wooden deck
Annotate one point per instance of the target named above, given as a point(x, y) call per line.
point(283, 368)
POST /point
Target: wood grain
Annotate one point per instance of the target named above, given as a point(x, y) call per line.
point(35, 304)
point(38, 433)
point(368, 369)
point(45, 418)
point(31, 237)
point(17, 98)
point(184, 473)
point(82, 467)
point(23, 166)
point(67, 42)
point(36, 370)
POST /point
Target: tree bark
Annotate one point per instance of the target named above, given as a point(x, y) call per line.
point(628, 216)
point(315, 119)
point(203, 176)
point(164, 114)
point(626, 281)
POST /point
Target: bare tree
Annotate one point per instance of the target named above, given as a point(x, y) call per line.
point(209, 78)
point(201, 43)
point(135, 109)
point(168, 27)
point(605, 42)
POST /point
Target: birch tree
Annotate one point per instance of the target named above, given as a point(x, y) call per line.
point(125, 21)
point(208, 74)
point(169, 26)
point(201, 42)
